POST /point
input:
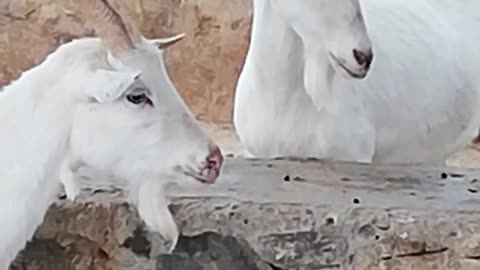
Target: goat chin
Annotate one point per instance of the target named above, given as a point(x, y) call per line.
point(148, 196)
point(152, 205)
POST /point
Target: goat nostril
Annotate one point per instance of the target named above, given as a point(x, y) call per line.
point(215, 158)
point(363, 58)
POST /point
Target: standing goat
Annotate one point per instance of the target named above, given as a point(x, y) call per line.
point(304, 88)
point(107, 103)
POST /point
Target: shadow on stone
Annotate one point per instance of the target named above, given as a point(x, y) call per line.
point(138, 243)
point(42, 254)
point(211, 251)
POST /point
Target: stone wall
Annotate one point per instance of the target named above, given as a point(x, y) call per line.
point(204, 66)
point(277, 214)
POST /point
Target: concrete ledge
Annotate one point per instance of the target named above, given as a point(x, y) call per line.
point(278, 214)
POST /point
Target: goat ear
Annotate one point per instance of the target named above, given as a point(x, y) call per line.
point(108, 85)
point(163, 43)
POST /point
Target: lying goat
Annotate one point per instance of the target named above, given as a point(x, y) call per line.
point(108, 103)
point(419, 103)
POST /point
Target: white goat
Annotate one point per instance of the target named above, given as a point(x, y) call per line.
point(108, 105)
point(419, 102)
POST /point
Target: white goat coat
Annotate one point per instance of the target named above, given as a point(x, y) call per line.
point(36, 114)
point(35, 123)
point(419, 103)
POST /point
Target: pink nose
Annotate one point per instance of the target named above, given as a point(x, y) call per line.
point(213, 164)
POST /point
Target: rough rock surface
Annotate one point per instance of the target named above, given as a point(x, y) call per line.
point(204, 66)
point(277, 214)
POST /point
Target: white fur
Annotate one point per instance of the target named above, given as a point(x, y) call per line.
point(70, 112)
point(418, 103)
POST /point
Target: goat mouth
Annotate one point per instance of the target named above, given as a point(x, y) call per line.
point(342, 64)
point(199, 177)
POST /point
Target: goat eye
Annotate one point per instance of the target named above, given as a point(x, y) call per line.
point(138, 99)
